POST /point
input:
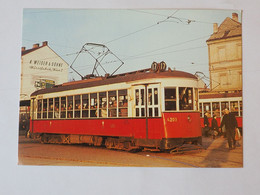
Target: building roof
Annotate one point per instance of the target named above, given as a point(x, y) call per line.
point(229, 28)
point(132, 76)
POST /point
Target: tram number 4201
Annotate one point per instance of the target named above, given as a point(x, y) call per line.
point(172, 119)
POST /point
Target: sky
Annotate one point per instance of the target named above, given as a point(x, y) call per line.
point(137, 37)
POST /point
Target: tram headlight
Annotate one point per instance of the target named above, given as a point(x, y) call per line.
point(189, 118)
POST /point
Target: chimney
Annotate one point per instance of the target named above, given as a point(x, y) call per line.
point(235, 16)
point(45, 43)
point(23, 48)
point(215, 27)
point(35, 45)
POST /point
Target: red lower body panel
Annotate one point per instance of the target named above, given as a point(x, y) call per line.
point(170, 125)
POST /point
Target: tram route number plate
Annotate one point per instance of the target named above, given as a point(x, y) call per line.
point(172, 119)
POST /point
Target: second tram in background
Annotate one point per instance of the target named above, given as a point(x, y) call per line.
point(150, 108)
point(215, 103)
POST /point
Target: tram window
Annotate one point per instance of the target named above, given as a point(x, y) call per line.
point(196, 100)
point(142, 96)
point(241, 108)
point(150, 97)
point(93, 105)
point(185, 98)
point(137, 97)
point(137, 112)
point(224, 105)
point(85, 105)
point(234, 107)
point(102, 104)
point(112, 108)
point(155, 96)
point(170, 98)
point(123, 103)
point(200, 107)
point(70, 107)
point(142, 112)
point(206, 108)
point(57, 108)
point(77, 106)
point(63, 107)
point(44, 114)
point(216, 109)
point(50, 108)
point(39, 109)
point(150, 112)
point(156, 112)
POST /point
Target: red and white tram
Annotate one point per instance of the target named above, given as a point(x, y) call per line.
point(135, 110)
point(215, 103)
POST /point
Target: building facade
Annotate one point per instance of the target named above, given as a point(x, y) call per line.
point(41, 68)
point(225, 55)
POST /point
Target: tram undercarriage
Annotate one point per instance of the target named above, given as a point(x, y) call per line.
point(118, 143)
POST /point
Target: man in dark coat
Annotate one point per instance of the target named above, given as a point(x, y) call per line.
point(206, 124)
point(230, 122)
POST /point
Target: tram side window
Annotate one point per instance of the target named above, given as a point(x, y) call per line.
point(70, 107)
point(77, 106)
point(185, 98)
point(122, 103)
point(50, 110)
point(224, 105)
point(39, 109)
point(103, 104)
point(63, 107)
point(207, 108)
point(241, 108)
point(85, 105)
point(170, 98)
point(234, 107)
point(200, 107)
point(44, 114)
point(57, 108)
point(216, 109)
point(155, 96)
point(112, 107)
point(93, 105)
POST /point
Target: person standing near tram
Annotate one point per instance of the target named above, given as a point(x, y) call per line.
point(230, 122)
point(206, 124)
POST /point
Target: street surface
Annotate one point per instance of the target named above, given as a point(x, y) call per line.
point(215, 153)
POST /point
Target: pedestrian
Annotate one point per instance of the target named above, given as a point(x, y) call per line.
point(214, 127)
point(230, 122)
point(206, 124)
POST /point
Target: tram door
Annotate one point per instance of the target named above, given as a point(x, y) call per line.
point(146, 100)
point(146, 105)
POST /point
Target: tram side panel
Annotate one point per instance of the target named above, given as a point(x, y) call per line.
point(181, 125)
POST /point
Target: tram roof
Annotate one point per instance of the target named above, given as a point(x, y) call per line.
point(126, 77)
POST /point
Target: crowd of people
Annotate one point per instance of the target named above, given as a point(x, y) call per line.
point(226, 129)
